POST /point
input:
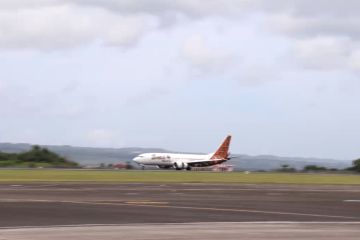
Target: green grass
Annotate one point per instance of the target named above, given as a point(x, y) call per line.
point(18, 164)
point(50, 175)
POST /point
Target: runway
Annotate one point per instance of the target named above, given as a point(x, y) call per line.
point(95, 206)
point(64, 204)
point(191, 231)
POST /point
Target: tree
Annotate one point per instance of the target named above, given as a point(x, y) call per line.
point(356, 165)
point(284, 166)
point(287, 168)
point(37, 156)
point(314, 168)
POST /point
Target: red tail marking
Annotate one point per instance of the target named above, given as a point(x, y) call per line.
point(223, 150)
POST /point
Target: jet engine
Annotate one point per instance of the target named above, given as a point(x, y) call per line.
point(180, 165)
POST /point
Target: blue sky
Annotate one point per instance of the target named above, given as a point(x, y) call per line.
point(281, 76)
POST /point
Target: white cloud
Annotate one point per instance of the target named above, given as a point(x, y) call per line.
point(204, 57)
point(192, 8)
point(47, 24)
point(50, 27)
point(125, 30)
point(323, 52)
point(354, 60)
point(53, 24)
point(317, 25)
point(65, 26)
point(251, 75)
point(310, 7)
point(22, 4)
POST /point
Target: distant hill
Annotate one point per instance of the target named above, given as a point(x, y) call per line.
point(95, 156)
point(84, 155)
point(35, 157)
point(268, 162)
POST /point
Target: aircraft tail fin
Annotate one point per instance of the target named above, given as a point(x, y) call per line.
point(223, 150)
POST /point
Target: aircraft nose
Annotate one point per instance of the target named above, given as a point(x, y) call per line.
point(136, 159)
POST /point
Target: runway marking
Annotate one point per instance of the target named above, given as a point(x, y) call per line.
point(243, 210)
point(270, 189)
point(274, 194)
point(26, 200)
point(176, 224)
point(163, 205)
point(59, 187)
point(145, 202)
point(174, 191)
point(157, 205)
point(352, 200)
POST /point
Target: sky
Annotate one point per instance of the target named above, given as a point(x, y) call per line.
point(281, 76)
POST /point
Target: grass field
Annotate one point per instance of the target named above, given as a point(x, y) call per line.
point(46, 175)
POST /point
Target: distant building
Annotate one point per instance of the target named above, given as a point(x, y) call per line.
point(119, 166)
point(216, 168)
point(223, 168)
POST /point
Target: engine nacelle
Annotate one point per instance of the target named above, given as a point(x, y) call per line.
point(164, 166)
point(180, 165)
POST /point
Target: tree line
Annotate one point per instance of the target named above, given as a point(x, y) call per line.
point(355, 167)
point(36, 157)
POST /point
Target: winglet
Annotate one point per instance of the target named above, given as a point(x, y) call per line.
point(223, 150)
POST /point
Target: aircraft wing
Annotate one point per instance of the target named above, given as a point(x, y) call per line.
point(205, 163)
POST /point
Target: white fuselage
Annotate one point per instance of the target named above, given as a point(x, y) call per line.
point(169, 159)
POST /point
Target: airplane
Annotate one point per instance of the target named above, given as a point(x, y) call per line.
point(186, 161)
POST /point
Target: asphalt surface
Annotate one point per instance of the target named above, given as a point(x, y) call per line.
point(191, 231)
point(36, 205)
